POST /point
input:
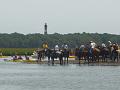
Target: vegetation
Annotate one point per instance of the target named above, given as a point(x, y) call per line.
point(17, 51)
point(17, 40)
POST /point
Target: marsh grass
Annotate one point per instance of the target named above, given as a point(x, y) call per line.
point(16, 51)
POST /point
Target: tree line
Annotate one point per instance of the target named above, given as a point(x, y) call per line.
point(18, 40)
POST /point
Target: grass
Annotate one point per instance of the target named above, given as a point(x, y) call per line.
point(16, 51)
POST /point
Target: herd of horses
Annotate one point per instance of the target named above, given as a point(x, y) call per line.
point(97, 54)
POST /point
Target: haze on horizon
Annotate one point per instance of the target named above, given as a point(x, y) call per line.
point(62, 16)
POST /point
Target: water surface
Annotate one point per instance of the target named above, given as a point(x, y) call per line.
point(17, 76)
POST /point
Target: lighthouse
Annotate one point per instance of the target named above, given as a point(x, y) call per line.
point(45, 29)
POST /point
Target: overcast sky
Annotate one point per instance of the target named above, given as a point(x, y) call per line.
point(62, 16)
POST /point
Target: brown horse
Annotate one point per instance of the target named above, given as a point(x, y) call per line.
point(115, 52)
point(113, 49)
point(96, 54)
point(88, 54)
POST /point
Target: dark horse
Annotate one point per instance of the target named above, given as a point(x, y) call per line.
point(65, 55)
point(115, 53)
point(40, 54)
point(82, 53)
point(48, 54)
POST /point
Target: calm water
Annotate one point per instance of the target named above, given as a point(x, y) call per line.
point(16, 76)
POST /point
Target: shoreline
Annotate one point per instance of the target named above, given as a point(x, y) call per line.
point(110, 63)
point(70, 61)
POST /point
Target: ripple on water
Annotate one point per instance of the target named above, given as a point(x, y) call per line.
point(16, 76)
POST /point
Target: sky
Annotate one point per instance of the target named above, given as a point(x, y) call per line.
point(62, 16)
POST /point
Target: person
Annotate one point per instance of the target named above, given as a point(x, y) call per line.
point(115, 46)
point(82, 46)
point(92, 46)
point(66, 46)
point(45, 45)
point(103, 45)
point(110, 43)
point(56, 48)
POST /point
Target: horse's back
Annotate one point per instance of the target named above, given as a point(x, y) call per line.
point(96, 50)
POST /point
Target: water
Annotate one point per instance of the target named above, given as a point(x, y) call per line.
point(17, 76)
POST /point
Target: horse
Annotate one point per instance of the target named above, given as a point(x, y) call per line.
point(40, 54)
point(103, 53)
point(54, 54)
point(93, 54)
point(76, 53)
point(82, 53)
point(114, 52)
point(48, 54)
point(88, 53)
point(65, 55)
